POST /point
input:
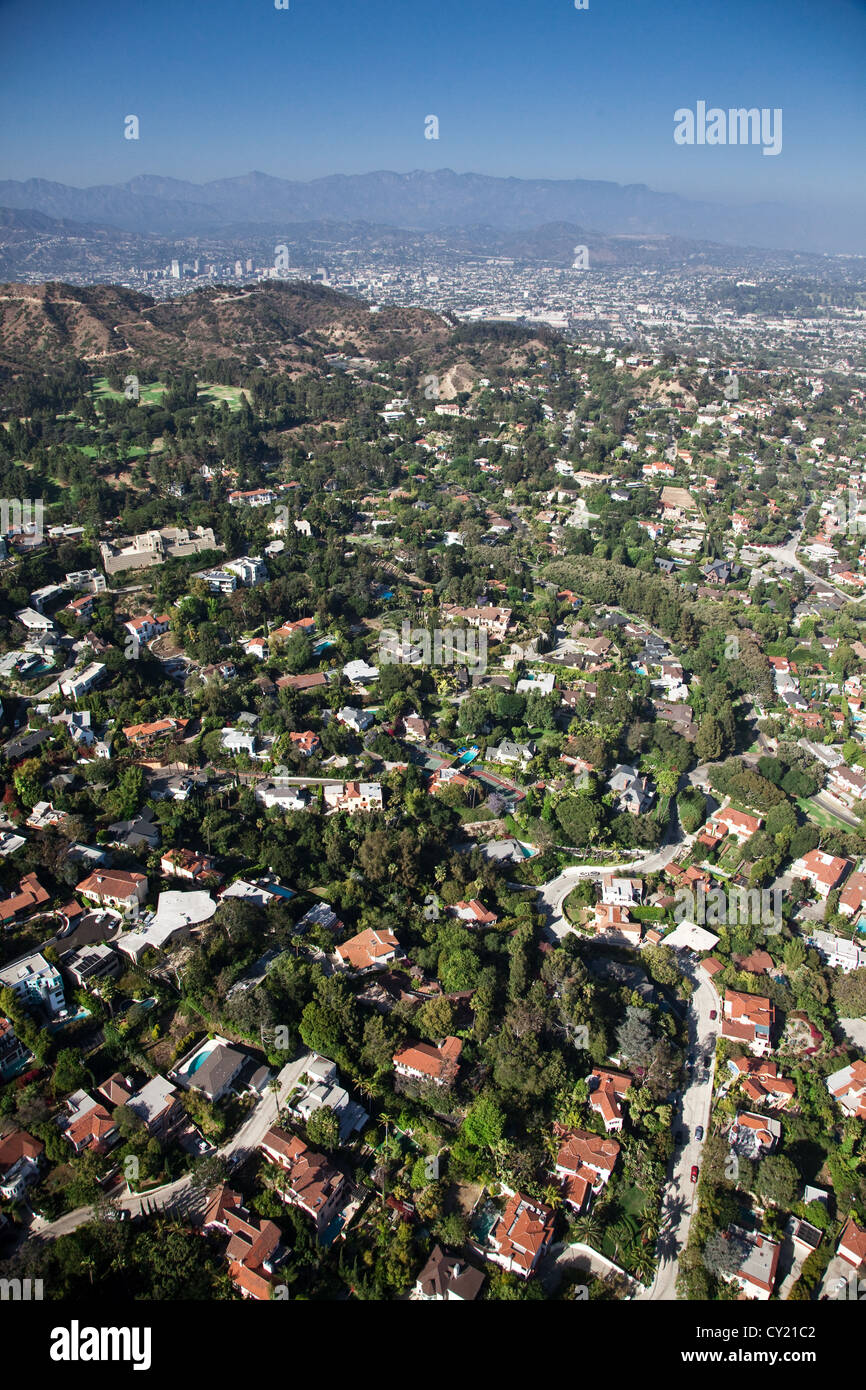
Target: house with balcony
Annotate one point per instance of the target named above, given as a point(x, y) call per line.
point(584, 1164)
point(847, 784)
point(36, 983)
point(20, 1160)
point(521, 1236)
point(308, 1180)
point(606, 1090)
point(847, 1086)
point(748, 1019)
point(427, 1062)
point(14, 1056)
point(115, 888)
point(822, 871)
point(372, 949)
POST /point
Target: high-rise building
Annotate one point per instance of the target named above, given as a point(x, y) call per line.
point(175, 270)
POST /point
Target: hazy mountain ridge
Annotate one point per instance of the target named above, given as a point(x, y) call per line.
point(434, 200)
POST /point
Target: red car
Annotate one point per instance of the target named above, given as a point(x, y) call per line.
point(713, 1015)
point(694, 1172)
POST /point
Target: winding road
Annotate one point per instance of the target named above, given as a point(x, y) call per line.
point(180, 1194)
point(693, 1105)
point(692, 1109)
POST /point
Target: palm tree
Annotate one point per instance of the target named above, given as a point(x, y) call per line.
point(643, 1266)
point(589, 1229)
point(648, 1228)
point(553, 1196)
point(621, 1235)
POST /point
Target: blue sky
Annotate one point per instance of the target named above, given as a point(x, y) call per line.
point(530, 88)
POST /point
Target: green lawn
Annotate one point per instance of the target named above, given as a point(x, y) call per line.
point(210, 394)
point(822, 817)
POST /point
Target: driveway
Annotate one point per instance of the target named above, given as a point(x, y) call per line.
point(180, 1195)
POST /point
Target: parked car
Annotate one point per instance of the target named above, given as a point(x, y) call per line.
point(713, 1015)
point(699, 1132)
point(694, 1172)
point(708, 1061)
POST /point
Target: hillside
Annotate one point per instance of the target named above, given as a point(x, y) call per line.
point(278, 325)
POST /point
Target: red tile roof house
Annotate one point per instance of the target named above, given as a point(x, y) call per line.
point(147, 733)
point(184, 863)
point(848, 1088)
point(737, 824)
point(754, 1136)
point(91, 1127)
point(115, 888)
point(147, 626)
point(616, 923)
point(852, 1243)
point(30, 895)
point(313, 681)
point(310, 1181)
point(852, 899)
point(762, 1083)
point(824, 871)
point(287, 630)
point(369, 950)
point(584, 1163)
point(424, 1062)
point(749, 1019)
point(254, 1247)
point(475, 913)
point(521, 1235)
point(606, 1091)
point(20, 1155)
point(306, 743)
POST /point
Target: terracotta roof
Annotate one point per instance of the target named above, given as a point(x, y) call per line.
point(30, 894)
point(19, 1145)
point(114, 883)
point(435, 1062)
point(853, 1238)
point(523, 1230)
point(368, 947)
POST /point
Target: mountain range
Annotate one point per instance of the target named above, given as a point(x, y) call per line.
point(433, 201)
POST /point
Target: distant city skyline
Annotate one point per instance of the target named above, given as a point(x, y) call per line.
point(519, 89)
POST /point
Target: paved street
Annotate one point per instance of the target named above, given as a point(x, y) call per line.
point(553, 894)
point(179, 1194)
point(693, 1109)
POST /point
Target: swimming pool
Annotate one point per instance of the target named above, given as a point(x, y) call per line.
point(198, 1060)
point(467, 755)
